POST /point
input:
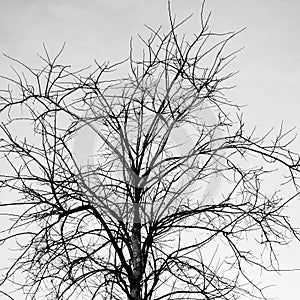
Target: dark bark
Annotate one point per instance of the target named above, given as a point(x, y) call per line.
point(135, 284)
point(137, 267)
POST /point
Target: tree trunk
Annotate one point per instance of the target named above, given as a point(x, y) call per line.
point(135, 282)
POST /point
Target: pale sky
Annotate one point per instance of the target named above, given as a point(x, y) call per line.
point(269, 65)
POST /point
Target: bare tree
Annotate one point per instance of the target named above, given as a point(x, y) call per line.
point(131, 220)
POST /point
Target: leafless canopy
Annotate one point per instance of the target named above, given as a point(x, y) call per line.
point(144, 185)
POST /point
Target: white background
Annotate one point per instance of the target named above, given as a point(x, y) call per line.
point(269, 65)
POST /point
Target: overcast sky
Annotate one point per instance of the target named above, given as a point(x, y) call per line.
point(269, 65)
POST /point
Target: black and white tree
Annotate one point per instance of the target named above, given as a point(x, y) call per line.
point(126, 189)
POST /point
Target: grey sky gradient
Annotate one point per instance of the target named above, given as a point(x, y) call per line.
point(269, 65)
